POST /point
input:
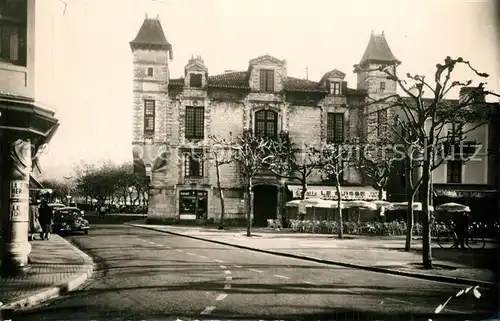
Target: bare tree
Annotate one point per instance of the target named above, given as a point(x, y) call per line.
point(426, 119)
point(377, 162)
point(292, 162)
point(250, 153)
point(221, 154)
point(335, 159)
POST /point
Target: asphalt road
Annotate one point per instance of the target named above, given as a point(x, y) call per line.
point(144, 274)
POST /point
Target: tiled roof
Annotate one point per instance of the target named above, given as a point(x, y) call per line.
point(151, 33)
point(236, 79)
point(176, 82)
point(239, 80)
point(378, 50)
point(297, 84)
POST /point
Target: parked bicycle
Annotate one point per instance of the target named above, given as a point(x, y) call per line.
point(447, 237)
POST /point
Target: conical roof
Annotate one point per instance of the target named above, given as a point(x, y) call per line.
point(378, 50)
point(151, 34)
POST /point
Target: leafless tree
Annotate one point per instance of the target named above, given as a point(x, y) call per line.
point(291, 162)
point(220, 154)
point(251, 154)
point(335, 159)
point(424, 121)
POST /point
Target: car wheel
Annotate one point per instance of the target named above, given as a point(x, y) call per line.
point(86, 232)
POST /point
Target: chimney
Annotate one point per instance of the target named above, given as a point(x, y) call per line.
point(475, 94)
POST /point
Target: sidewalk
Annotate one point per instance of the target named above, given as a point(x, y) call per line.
point(56, 267)
point(382, 254)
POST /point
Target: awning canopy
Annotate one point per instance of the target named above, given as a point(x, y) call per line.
point(34, 183)
point(363, 193)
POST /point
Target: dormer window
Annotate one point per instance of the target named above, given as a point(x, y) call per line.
point(336, 88)
point(150, 71)
point(266, 80)
point(195, 80)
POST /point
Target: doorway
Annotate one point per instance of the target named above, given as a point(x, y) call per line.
point(265, 204)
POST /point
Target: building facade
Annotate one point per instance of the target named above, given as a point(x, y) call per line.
point(174, 117)
point(26, 125)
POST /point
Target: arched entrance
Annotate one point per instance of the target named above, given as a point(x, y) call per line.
point(265, 204)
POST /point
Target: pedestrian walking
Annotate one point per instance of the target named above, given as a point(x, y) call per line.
point(102, 210)
point(461, 229)
point(46, 215)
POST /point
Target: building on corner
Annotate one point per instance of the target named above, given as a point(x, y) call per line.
point(173, 117)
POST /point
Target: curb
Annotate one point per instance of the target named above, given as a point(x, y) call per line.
point(437, 278)
point(54, 291)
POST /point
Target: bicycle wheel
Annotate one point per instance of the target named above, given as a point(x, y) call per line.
point(475, 242)
point(446, 240)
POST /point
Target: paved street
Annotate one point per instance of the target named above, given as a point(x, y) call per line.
point(146, 274)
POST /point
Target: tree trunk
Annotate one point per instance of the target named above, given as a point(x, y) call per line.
point(339, 205)
point(221, 196)
point(304, 190)
point(426, 237)
point(381, 209)
point(249, 208)
point(409, 222)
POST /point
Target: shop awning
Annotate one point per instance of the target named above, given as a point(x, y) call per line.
point(364, 193)
point(465, 191)
point(34, 183)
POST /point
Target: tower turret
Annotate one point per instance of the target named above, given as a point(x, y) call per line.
point(376, 84)
point(151, 54)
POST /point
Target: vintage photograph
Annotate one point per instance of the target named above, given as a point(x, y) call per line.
point(249, 160)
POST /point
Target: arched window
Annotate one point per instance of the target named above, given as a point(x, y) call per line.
point(266, 124)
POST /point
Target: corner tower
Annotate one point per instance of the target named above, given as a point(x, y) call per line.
point(151, 54)
point(375, 83)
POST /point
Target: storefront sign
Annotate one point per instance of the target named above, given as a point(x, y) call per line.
point(464, 194)
point(193, 193)
point(364, 193)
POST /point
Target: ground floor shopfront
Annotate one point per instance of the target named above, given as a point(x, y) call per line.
point(481, 199)
point(196, 202)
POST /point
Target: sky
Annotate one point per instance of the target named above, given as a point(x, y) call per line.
point(94, 104)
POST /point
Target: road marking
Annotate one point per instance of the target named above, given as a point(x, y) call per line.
point(227, 286)
point(281, 276)
point(179, 250)
point(203, 257)
point(221, 297)
point(237, 266)
point(208, 310)
point(227, 272)
point(189, 253)
point(168, 247)
point(229, 278)
point(396, 300)
point(347, 290)
point(223, 267)
point(219, 261)
point(255, 270)
point(309, 282)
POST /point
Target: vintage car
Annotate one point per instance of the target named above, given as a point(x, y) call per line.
point(70, 219)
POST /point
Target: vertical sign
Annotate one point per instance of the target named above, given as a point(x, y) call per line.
point(19, 201)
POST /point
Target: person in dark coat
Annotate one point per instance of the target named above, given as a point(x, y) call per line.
point(461, 229)
point(46, 215)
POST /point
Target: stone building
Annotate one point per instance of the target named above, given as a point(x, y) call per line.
point(172, 117)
